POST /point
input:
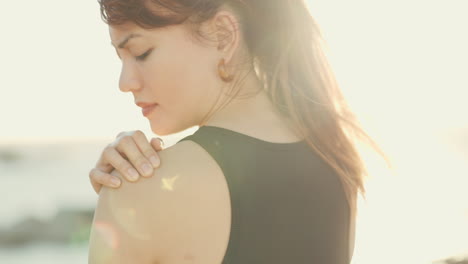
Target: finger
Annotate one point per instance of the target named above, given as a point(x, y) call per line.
point(117, 141)
point(128, 146)
point(123, 133)
point(96, 186)
point(147, 149)
point(99, 178)
point(116, 161)
point(103, 164)
point(157, 143)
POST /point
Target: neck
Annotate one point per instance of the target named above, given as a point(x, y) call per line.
point(250, 106)
point(252, 113)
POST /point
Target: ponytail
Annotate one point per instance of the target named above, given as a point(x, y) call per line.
point(290, 59)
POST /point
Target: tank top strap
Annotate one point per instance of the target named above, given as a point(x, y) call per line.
point(211, 142)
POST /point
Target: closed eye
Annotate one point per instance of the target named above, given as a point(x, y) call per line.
point(144, 55)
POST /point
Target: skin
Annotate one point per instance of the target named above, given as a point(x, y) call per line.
point(181, 76)
point(185, 93)
point(187, 194)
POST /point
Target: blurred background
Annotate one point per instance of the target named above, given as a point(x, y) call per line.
point(403, 66)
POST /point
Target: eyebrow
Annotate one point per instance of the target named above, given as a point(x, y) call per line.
point(127, 39)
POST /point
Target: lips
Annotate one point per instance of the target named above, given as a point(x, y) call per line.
point(146, 108)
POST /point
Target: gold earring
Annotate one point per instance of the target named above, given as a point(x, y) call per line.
point(222, 72)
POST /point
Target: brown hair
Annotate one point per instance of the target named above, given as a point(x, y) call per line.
point(286, 47)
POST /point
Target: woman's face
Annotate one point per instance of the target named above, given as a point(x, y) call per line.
point(166, 67)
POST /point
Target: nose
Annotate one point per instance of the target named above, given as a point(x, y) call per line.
point(129, 79)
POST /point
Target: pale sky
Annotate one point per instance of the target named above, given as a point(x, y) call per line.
point(402, 64)
point(400, 60)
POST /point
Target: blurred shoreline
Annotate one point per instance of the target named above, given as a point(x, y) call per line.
point(49, 200)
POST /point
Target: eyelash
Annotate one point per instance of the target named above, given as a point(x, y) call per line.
point(143, 56)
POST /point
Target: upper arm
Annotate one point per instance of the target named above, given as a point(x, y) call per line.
point(121, 226)
point(158, 217)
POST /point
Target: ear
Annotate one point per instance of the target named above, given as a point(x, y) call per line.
point(227, 34)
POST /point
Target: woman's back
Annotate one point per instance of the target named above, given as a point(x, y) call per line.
point(287, 205)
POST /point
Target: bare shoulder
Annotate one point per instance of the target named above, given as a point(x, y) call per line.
point(179, 214)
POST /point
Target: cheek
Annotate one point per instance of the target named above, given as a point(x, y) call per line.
point(182, 82)
point(181, 75)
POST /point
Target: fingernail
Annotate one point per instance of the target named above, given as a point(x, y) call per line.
point(115, 182)
point(161, 142)
point(154, 161)
point(133, 174)
point(146, 168)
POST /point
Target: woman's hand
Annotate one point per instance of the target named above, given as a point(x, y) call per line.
point(131, 155)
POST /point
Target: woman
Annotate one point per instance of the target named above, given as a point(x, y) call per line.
point(272, 174)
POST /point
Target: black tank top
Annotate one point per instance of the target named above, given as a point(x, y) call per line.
point(288, 205)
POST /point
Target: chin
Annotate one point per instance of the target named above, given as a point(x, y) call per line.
point(161, 130)
point(164, 130)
